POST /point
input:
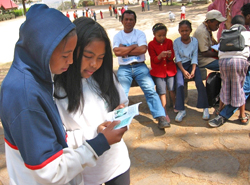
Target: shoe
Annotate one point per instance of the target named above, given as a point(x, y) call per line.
point(162, 122)
point(244, 120)
point(181, 114)
point(217, 121)
point(206, 115)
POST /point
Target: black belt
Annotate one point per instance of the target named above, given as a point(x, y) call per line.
point(133, 63)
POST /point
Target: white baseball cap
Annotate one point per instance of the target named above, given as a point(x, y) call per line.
point(215, 14)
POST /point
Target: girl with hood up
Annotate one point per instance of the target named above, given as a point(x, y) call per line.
point(35, 140)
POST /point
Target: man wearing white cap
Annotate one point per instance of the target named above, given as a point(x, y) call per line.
point(207, 57)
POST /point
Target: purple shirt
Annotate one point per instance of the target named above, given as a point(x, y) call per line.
point(220, 5)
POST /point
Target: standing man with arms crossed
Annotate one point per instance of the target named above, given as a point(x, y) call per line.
point(229, 110)
point(130, 45)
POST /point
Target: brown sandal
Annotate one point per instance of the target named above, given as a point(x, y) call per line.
point(244, 120)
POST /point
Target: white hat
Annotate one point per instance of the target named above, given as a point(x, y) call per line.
point(215, 14)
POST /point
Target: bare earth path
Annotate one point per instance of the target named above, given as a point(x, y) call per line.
point(187, 153)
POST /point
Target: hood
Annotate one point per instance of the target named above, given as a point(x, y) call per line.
point(39, 35)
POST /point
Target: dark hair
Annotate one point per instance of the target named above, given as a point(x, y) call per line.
point(129, 12)
point(186, 22)
point(71, 81)
point(245, 9)
point(238, 19)
point(159, 26)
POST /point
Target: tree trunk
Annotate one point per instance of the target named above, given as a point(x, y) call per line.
point(72, 4)
point(24, 7)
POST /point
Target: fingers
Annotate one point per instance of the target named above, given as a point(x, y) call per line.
point(113, 124)
point(103, 126)
point(169, 52)
point(120, 106)
point(113, 135)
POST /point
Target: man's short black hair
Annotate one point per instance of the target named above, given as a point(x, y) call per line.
point(238, 19)
point(129, 12)
point(245, 9)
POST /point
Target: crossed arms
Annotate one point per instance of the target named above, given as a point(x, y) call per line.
point(132, 50)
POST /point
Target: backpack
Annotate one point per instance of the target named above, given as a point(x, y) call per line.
point(213, 86)
point(232, 40)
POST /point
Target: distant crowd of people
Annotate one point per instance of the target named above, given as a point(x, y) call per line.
point(56, 129)
point(85, 13)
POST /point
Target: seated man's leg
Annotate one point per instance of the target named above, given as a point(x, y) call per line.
point(124, 75)
point(145, 81)
point(213, 65)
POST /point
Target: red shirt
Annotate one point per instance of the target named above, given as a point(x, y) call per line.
point(166, 66)
point(142, 4)
point(122, 10)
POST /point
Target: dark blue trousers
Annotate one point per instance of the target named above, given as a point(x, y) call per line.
point(202, 101)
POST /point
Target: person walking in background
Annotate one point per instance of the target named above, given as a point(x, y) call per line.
point(163, 70)
point(186, 58)
point(171, 16)
point(94, 15)
point(91, 13)
point(75, 15)
point(119, 14)
point(85, 94)
point(116, 12)
point(122, 10)
point(228, 9)
point(67, 14)
point(83, 13)
point(114, 8)
point(130, 46)
point(160, 5)
point(110, 10)
point(183, 12)
point(229, 110)
point(142, 6)
point(101, 14)
point(87, 12)
point(126, 7)
point(148, 5)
